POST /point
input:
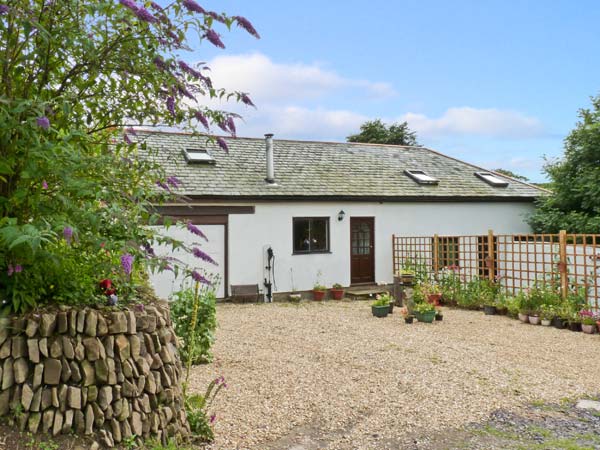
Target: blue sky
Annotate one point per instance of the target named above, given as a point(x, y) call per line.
point(497, 83)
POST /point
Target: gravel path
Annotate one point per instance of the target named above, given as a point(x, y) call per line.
point(329, 375)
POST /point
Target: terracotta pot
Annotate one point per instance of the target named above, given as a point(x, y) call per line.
point(318, 295)
point(337, 294)
point(434, 298)
point(523, 318)
point(589, 329)
point(534, 320)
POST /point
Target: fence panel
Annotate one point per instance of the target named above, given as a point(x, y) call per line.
point(516, 261)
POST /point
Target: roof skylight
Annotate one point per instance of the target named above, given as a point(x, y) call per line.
point(421, 177)
point(198, 156)
point(491, 179)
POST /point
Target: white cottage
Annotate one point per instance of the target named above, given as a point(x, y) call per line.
point(324, 211)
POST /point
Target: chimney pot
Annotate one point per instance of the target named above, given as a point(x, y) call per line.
point(270, 164)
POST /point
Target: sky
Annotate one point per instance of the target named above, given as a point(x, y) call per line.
point(495, 83)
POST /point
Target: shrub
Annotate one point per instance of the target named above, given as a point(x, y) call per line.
point(202, 337)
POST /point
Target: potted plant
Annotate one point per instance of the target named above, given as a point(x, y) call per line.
point(534, 317)
point(547, 313)
point(337, 291)
point(387, 297)
point(380, 307)
point(425, 312)
point(319, 292)
point(524, 315)
point(588, 321)
point(295, 297)
point(406, 275)
point(574, 322)
point(432, 292)
point(408, 318)
point(439, 315)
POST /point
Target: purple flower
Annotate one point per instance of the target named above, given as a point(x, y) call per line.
point(222, 144)
point(246, 100)
point(191, 71)
point(44, 185)
point(156, 6)
point(10, 270)
point(68, 234)
point(213, 418)
point(171, 105)
point(174, 181)
point(223, 126)
point(129, 4)
point(214, 38)
point(191, 5)
point(127, 263)
point(131, 131)
point(195, 230)
point(231, 125)
point(183, 91)
point(168, 267)
point(149, 250)
point(203, 256)
point(43, 122)
point(160, 63)
point(18, 268)
point(3, 10)
point(246, 25)
point(217, 17)
point(199, 278)
point(126, 139)
point(201, 118)
point(145, 15)
point(163, 185)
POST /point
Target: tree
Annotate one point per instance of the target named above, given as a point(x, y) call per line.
point(575, 203)
point(74, 195)
point(511, 174)
point(376, 132)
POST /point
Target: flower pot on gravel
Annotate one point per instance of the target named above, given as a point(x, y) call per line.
point(409, 319)
point(295, 298)
point(380, 311)
point(318, 295)
point(588, 329)
point(546, 322)
point(534, 320)
point(559, 322)
point(337, 293)
point(598, 324)
point(489, 310)
point(391, 307)
point(425, 317)
point(524, 317)
point(439, 317)
point(575, 326)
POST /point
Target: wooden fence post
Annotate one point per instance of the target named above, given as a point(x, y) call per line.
point(490, 256)
point(562, 263)
point(393, 254)
point(436, 254)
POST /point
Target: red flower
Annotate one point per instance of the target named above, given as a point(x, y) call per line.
point(106, 286)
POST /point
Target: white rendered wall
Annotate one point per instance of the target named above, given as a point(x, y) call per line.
point(272, 225)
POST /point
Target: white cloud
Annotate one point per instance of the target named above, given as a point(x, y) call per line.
point(269, 82)
point(475, 122)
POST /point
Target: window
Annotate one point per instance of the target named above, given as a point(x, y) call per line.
point(421, 177)
point(311, 234)
point(491, 179)
point(198, 156)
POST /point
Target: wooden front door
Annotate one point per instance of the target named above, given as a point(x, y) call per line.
point(362, 250)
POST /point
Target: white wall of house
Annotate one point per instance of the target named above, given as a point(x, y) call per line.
point(271, 225)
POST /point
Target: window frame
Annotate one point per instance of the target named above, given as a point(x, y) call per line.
point(415, 175)
point(489, 177)
point(188, 154)
point(327, 234)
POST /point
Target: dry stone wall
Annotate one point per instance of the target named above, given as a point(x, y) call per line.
point(109, 372)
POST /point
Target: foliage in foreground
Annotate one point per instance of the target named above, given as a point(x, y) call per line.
point(201, 337)
point(575, 203)
point(74, 195)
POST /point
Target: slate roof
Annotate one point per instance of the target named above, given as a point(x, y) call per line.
point(324, 170)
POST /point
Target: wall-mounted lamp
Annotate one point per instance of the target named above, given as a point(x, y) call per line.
point(341, 215)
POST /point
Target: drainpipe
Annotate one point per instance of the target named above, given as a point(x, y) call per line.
point(270, 164)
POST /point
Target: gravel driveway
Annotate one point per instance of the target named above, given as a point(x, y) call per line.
point(329, 375)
